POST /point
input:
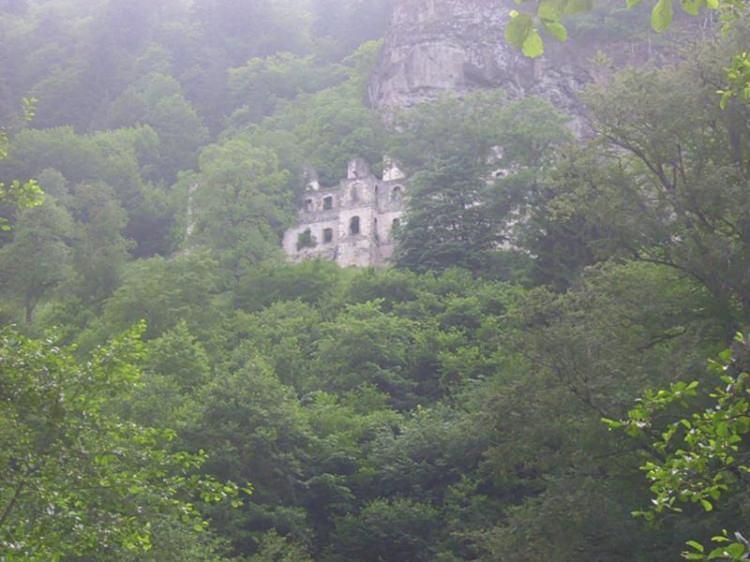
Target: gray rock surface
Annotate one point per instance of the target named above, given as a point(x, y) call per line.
point(434, 46)
point(458, 46)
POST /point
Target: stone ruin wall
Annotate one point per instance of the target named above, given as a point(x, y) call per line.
point(434, 47)
point(352, 223)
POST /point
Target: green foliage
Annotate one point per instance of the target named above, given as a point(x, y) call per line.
point(275, 548)
point(584, 355)
point(363, 345)
point(116, 158)
point(387, 530)
point(459, 212)
point(262, 83)
point(272, 282)
point(175, 367)
point(78, 480)
point(306, 240)
point(100, 249)
point(121, 160)
point(164, 292)
point(19, 196)
point(676, 190)
point(252, 427)
point(38, 260)
point(238, 203)
point(738, 77)
point(702, 457)
point(157, 100)
point(419, 413)
point(327, 129)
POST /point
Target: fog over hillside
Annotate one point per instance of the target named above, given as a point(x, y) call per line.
point(374, 280)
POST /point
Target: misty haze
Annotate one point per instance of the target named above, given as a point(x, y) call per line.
point(374, 280)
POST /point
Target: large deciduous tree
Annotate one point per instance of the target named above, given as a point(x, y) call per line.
point(77, 480)
point(475, 165)
point(665, 181)
point(238, 211)
point(38, 260)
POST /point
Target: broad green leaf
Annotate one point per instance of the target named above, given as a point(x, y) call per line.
point(518, 29)
point(661, 15)
point(735, 550)
point(707, 505)
point(612, 424)
point(716, 553)
point(692, 7)
point(551, 10)
point(533, 46)
point(557, 30)
point(696, 545)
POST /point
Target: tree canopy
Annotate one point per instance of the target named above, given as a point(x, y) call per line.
point(554, 367)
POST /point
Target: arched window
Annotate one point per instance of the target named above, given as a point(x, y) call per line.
point(354, 225)
point(308, 205)
point(396, 194)
point(328, 203)
point(396, 223)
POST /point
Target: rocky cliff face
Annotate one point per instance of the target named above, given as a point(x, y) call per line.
point(436, 46)
point(443, 45)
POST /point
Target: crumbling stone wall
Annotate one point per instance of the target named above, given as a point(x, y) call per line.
point(351, 223)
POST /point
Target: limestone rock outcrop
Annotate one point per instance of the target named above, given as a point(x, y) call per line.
point(458, 46)
point(436, 46)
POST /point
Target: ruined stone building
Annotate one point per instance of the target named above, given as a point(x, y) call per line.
point(351, 223)
point(432, 48)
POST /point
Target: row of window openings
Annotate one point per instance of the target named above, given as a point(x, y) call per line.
point(354, 229)
point(328, 201)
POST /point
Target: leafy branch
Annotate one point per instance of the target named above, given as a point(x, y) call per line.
point(702, 456)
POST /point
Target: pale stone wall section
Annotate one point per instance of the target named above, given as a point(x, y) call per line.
point(359, 215)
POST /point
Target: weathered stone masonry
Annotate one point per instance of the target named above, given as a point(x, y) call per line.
point(351, 223)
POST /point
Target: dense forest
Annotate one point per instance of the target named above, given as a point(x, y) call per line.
point(552, 369)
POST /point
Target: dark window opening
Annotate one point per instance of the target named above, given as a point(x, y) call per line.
point(354, 225)
point(396, 194)
point(308, 205)
point(328, 235)
point(305, 240)
point(328, 203)
point(396, 224)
